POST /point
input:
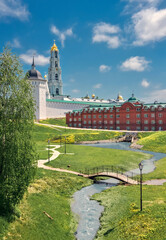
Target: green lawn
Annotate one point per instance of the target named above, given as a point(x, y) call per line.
point(122, 219)
point(159, 172)
point(55, 121)
point(51, 192)
point(89, 157)
point(43, 133)
point(155, 141)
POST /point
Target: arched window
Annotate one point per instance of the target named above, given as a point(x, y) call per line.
point(57, 91)
point(56, 76)
point(56, 64)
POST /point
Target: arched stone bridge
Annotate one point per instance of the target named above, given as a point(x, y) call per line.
point(112, 172)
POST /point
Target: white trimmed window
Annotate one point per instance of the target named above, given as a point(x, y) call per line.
point(117, 116)
point(111, 122)
point(127, 109)
point(160, 114)
point(160, 122)
point(94, 116)
point(146, 115)
point(152, 115)
point(138, 115)
point(105, 122)
point(111, 116)
point(105, 116)
point(84, 122)
point(146, 122)
point(117, 122)
point(127, 115)
point(127, 122)
point(152, 121)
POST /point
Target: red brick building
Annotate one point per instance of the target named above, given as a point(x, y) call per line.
point(130, 115)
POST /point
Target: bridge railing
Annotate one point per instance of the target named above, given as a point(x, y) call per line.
point(110, 168)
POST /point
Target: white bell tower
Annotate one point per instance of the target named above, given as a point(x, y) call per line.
point(54, 74)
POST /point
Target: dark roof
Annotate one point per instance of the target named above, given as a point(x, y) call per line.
point(33, 73)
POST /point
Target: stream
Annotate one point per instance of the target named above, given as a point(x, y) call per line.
point(89, 211)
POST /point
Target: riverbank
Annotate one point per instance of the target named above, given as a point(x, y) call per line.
point(122, 218)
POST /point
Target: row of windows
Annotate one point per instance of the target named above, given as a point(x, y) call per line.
point(127, 115)
point(117, 121)
point(118, 127)
point(127, 122)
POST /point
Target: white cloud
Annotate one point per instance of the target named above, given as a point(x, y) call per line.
point(157, 95)
point(97, 86)
point(75, 91)
point(137, 5)
point(149, 25)
point(104, 32)
point(13, 8)
point(137, 63)
point(62, 34)
point(145, 83)
point(40, 60)
point(15, 43)
point(104, 68)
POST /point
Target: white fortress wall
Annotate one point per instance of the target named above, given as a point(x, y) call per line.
point(58, 109)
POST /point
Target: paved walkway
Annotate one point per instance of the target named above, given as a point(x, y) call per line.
point(41, 164)
point(54, 156)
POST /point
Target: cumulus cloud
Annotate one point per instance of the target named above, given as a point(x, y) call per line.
point(75, 90)
point(105, 32)
point(157, 95)
point(97, 86)
point(40, 60)
point(13, 8)
point(62, 35)
point(15, 43)
point(145, 83)
point(149, 26)
point(137, 63)
point(137, 5)
point(104, 68)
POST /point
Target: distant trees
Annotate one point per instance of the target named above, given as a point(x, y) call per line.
point(17, 153)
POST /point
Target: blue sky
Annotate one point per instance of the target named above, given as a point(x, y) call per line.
point(105, 46)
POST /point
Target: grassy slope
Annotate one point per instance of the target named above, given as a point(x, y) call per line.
point(51, 192)
point(55, 121)
point(122, 218)
point(89, 157)
point(155, 141)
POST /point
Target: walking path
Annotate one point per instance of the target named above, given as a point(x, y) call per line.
point(41, 164)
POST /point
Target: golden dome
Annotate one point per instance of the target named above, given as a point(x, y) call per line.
point(119, 97)
point(93, 95)
point(54, 47)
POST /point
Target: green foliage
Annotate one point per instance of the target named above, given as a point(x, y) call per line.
point(155, 141)
point(17, 153)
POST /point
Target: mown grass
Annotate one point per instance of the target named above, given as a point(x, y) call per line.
point(90, 157)
point(51, 192)
point(122, 219)
point(44, 133)
point(159, 172)
point(55, 121)
point(155, 141)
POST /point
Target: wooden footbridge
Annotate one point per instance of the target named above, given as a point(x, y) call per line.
point(112, 172)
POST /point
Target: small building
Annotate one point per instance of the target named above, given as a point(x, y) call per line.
point(131, 115)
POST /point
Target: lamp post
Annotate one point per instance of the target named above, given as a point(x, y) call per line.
point(140, 168)
point(65, 144)
point(48, 150)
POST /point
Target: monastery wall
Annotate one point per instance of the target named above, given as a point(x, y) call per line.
point(59, 109)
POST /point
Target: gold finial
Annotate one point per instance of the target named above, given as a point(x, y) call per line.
point(93, 95)
point(54, 47)
point(45, 76)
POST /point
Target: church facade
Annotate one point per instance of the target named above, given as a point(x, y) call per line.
point(48, 93)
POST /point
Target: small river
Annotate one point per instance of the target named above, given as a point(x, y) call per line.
point(89, 211)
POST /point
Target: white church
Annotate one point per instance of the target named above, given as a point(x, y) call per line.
point(48, 94)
